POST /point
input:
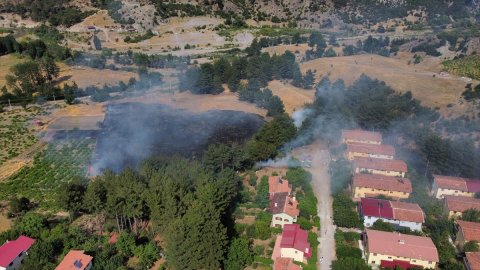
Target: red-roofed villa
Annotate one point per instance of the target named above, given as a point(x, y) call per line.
point(456, 186)
point(13, 252)
point(293, 243)
point(284, 209)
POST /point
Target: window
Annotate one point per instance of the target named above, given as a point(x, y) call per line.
point(389, 257)
point(373, 262)
point(414, 260)
point(286, 220)
point(374, 254)
point(429, 262)
point(278, 218)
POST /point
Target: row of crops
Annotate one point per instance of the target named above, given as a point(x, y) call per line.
point(468, 66)
point(15, 135)
point(60, 162)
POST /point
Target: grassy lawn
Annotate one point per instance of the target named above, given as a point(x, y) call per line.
point(60, 162)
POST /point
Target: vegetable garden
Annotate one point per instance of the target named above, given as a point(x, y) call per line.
point(60, 162)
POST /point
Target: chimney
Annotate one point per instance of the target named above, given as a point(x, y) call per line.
point(276, 204)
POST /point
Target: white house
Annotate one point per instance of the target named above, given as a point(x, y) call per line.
point(399, 214)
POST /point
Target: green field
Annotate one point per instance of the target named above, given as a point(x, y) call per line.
point(468, 66)
point(15, 134)
point(59, 163)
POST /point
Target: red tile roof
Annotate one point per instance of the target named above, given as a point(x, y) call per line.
point(285, 264)
point(470, 230)
point(461, 203)
point(401, 245)
point(395, 165)
point(277, 184)
point(402, 264)
point(473, 260)
point(457, 183)
point(376, 149)
point(361, 135)
point(407, 211)
point(294, 237)
point(74, 260)
point(11, 249)
point(283, 203)
point(376, 208)
point(391, 210)
point(382, 182)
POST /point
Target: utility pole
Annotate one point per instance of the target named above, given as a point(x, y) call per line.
point(9, 104)
point(54, 98)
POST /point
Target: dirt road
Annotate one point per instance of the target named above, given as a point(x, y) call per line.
point(321, 186)
point(320, 157)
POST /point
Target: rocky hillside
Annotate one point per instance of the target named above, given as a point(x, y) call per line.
point(306, 13)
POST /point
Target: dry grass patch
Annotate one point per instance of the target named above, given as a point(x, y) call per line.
point(424, 81)
point(6, 62)
point(293, 97)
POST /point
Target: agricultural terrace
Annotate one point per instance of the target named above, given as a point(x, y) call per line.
point(60, 162)
point(15, 134)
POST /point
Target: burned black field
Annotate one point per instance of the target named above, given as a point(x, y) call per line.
point(132, 132)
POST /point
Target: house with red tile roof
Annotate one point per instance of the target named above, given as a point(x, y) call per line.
point(399, 214)
point(76, 260)
point(467, 231)
point(361, 136)
point(12, 253)
point(292, 243)
point(391, 249)
point(454, 206)
point(284, 209)
point(388, 167)
point(285, 264)
point(472, 260)
point(456, 186)
point(382, 151)
point(278, 185)
point(373, 185)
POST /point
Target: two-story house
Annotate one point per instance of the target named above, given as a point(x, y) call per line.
point(456, 186)
point(382, 151)
point(373, 185)
point(292, 243)
point(284, 209)
point(388, 167)
point(399, 214)
point(455, 206)
point(392, 249)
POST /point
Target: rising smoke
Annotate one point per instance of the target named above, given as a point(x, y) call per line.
point(133, 131)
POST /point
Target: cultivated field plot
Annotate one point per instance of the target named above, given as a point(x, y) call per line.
point(77, 122)
point(62, 161)
point(16, 133)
